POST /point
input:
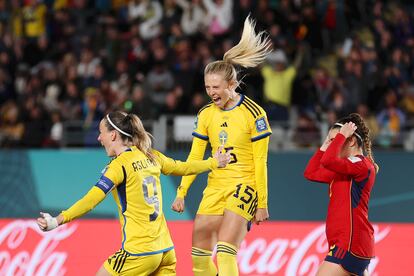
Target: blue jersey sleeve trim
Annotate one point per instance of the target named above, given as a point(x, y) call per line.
point(149, 253)
point(105, 184)
point(195, 134)
point(254, 139)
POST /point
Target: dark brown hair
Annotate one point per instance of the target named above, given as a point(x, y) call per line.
point(362, 134)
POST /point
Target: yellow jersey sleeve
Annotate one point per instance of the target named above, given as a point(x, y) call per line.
point(112, 176)
point(84, 205)
point(260, 132)
point(260, 149)
point(175, 167)
point(198, 149)
point(201, 122)
point(260, 128)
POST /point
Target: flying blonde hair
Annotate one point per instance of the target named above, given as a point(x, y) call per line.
point(251, 50)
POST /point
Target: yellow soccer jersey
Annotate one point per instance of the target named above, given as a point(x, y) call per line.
point(135, 184)
point(237, 129)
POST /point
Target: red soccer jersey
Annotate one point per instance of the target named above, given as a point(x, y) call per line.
point(350, 183)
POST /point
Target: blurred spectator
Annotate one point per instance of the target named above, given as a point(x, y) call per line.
point(56, 131)
point(407, 101)
point(193, 19)
point(159, 81)
point(306, 132)
point(349, 54)
point(87, 64)
point(36, 126)
point(140, 103)
point(11, 127)
point(148, 14)
point(219, 16)
point(391, 121)
point(278, 79)
point(71, 106)
point(323, 84)
point(370, 121)
point(34, 19)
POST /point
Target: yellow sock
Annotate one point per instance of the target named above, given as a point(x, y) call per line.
point(227, 259)
point(203, 264)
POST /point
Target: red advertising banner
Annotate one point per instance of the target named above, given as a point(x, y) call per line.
point(274, 248)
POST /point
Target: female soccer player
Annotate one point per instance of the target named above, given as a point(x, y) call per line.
point(340, 162)
point(133, 176)
point(236, 195)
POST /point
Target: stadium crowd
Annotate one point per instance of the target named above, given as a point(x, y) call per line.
point(64, 60)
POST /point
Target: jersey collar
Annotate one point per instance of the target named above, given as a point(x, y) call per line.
point(239, 103)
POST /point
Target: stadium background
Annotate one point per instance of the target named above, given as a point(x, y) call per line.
point(63, 64)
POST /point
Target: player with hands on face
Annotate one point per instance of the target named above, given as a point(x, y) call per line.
point(345, 162)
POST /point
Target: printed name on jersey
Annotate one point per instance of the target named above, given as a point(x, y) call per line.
point(261, 124)
point(354, 159)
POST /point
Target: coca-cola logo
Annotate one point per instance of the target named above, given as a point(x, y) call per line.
point(292, 257)
point(23, 254)
point(278, 249)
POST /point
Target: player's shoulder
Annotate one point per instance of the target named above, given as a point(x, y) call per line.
point(252, 108)
point(355, 159)
point(205, 109)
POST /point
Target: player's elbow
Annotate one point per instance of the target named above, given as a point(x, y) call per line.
point(327, 162)
point(308, 175)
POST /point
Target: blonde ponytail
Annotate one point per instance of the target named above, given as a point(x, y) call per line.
point(251, 50)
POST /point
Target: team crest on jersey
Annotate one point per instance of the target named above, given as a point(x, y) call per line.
point(223, 137)
point(261, 124)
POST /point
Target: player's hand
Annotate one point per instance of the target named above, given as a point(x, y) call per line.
point(326, 143)
point(46, 222)
point(348, 129)
point(223, 158)
point(178, 205)
point(262, 214)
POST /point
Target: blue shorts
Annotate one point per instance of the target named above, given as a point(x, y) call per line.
point(351, 263)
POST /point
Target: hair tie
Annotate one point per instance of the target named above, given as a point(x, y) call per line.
point(117, 128)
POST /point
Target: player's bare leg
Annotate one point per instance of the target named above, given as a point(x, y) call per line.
point(205, 231)
point(331, 269)
point(102, 272)
point(231, 234)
